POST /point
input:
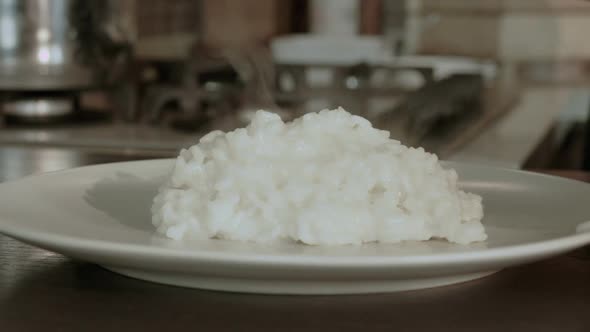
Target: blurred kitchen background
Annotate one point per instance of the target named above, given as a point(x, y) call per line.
point(499, 82)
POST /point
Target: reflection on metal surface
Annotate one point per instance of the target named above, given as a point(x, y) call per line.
point(46, 44)
point(16, 162)
point(39, 108)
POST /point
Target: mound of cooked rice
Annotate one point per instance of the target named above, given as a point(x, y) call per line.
point(327, 178)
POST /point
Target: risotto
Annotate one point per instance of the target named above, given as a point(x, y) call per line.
point(327, 178)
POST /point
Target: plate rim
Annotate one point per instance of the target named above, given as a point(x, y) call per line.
point(538, 248)
point(57, 240)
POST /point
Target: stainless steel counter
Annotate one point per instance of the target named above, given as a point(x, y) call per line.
point(19, 161)
point(506, 142)
point(511, 139)
point(114, 136)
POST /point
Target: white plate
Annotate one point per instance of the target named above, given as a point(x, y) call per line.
point(101, 214)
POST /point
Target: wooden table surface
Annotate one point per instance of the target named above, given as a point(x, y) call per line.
point(43, 291)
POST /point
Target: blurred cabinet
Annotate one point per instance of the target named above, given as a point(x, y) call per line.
point(235, 22)
point(504, 29)
point(167, 29)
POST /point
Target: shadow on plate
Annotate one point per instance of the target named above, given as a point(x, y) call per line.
point(126, 198)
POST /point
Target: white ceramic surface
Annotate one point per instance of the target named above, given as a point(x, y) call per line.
point(101, 214)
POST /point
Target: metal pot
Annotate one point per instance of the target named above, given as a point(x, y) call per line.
point(59, 44)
